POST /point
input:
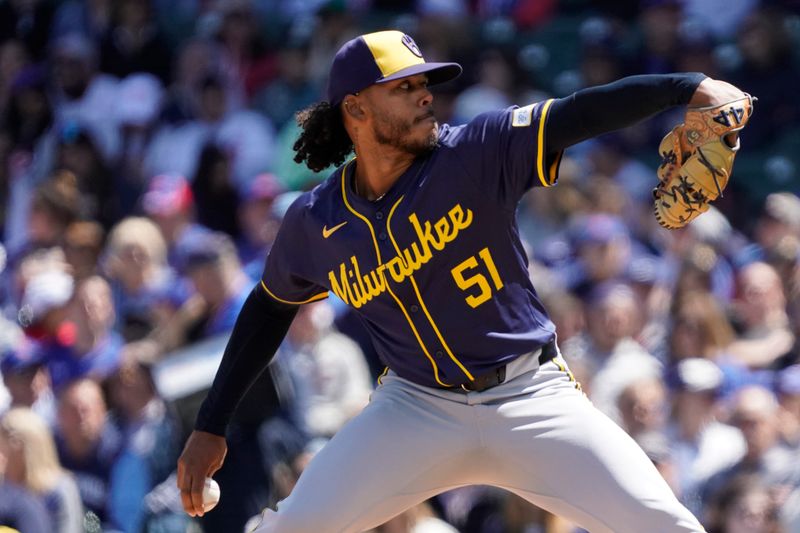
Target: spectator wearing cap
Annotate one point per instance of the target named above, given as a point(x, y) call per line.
point(258, 220)
point(611, 357)
point(211, 263)
point(84, 95)
point(112, 483)
point(702, 446)
point(43, 313)
point(602, 247)
point(27, 441)
point(26, 378)
point(169, 202)
point(95, 349)
point(755, 412)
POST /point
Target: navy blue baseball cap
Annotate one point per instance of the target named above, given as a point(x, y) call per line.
point(380, 57)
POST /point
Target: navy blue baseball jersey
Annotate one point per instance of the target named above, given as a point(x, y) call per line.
point(435, 267)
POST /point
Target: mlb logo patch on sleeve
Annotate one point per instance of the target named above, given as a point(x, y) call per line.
point(522, 117)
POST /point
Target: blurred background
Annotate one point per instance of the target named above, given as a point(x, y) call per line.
point(146, 164)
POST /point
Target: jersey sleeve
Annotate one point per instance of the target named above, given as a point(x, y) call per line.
point(506, 151)
point(287, 274)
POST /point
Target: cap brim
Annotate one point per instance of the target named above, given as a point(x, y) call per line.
point(437, 72)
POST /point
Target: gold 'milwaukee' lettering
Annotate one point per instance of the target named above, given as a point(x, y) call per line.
point(356, 289)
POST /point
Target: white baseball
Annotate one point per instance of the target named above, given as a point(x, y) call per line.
point(210, 494)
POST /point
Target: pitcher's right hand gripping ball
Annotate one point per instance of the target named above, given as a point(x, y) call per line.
point(697, 160)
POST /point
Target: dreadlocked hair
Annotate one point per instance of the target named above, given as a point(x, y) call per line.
point(324, 141)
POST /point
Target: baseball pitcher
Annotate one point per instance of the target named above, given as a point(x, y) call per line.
point(418, 234)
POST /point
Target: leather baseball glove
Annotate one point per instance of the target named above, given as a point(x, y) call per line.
point(697, 160)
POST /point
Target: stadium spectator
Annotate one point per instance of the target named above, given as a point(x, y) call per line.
point(745, 506)
point(215, 192)
point(133, 42)
point(613, 359)
point(642, 406)
point(760, 306)
point(169, 202)
point(245, 135)
point(142, 282)
point(602, 247)
point(93, 348)
point(28, 444)
point(258, 220)
point(78, 154)
point(701, 445)
point(756, 414)
point(26, 379)
point(112, 483)
point(83, 246)
point(84, 95)
point(55, 204)
point(148, 429)
point(328, 370)
point(211, 263)
point(28, 125)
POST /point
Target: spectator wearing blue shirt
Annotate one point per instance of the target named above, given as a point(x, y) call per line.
point(211, 263)
point(149, 431)
point(111, 479)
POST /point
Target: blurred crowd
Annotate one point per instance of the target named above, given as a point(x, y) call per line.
point(146, 164)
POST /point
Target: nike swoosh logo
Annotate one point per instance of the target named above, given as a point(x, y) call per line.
point(328, 232)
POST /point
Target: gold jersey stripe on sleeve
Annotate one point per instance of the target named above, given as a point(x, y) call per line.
point(540, 147)
point(419, 295)
point(389, 289)
point(320, 296)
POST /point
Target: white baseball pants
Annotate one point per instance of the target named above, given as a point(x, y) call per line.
point(535, 435)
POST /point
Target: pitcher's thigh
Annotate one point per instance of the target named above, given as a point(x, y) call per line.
point(392, 456)
point(564, 455)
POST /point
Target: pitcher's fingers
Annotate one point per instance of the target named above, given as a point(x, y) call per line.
point(186, 498)
point(198, 482)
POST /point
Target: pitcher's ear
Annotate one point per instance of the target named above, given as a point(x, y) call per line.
point(352, 107)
